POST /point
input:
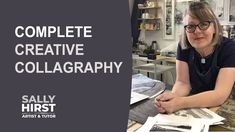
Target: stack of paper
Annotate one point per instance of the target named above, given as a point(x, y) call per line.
point(147, 86)
point(142, 83)
point(189, 120)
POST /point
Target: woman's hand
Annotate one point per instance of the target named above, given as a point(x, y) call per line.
point(158, 106)
point(168, 102)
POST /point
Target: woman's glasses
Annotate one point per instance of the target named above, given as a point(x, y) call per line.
point(202, 26)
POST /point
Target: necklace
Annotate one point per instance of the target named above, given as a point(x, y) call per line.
point(203, 60)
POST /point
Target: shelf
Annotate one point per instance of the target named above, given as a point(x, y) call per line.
point(151, 66)
point(150, 30)
point(149, 18)
point(154, 68)
point(145, 8)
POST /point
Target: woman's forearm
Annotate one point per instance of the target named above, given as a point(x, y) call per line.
point(204, 99)
point(181, 88)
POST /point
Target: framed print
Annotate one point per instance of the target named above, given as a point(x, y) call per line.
point(231, 17)
point(169, 19)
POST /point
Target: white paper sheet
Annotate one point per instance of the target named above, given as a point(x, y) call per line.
point(136, 97)
point(198, 120)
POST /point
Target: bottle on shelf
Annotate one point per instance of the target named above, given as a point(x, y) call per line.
point(158, 24)
point(154, 45)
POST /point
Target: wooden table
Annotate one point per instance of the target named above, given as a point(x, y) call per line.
point(166, 58)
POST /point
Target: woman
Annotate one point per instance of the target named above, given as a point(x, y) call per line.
point(205, 64)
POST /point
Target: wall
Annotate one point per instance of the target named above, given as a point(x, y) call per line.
point(149, 36)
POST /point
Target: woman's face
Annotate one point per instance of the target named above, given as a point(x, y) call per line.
point(199, 39)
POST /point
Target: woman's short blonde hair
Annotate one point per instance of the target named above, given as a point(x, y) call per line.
point(203, 12)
